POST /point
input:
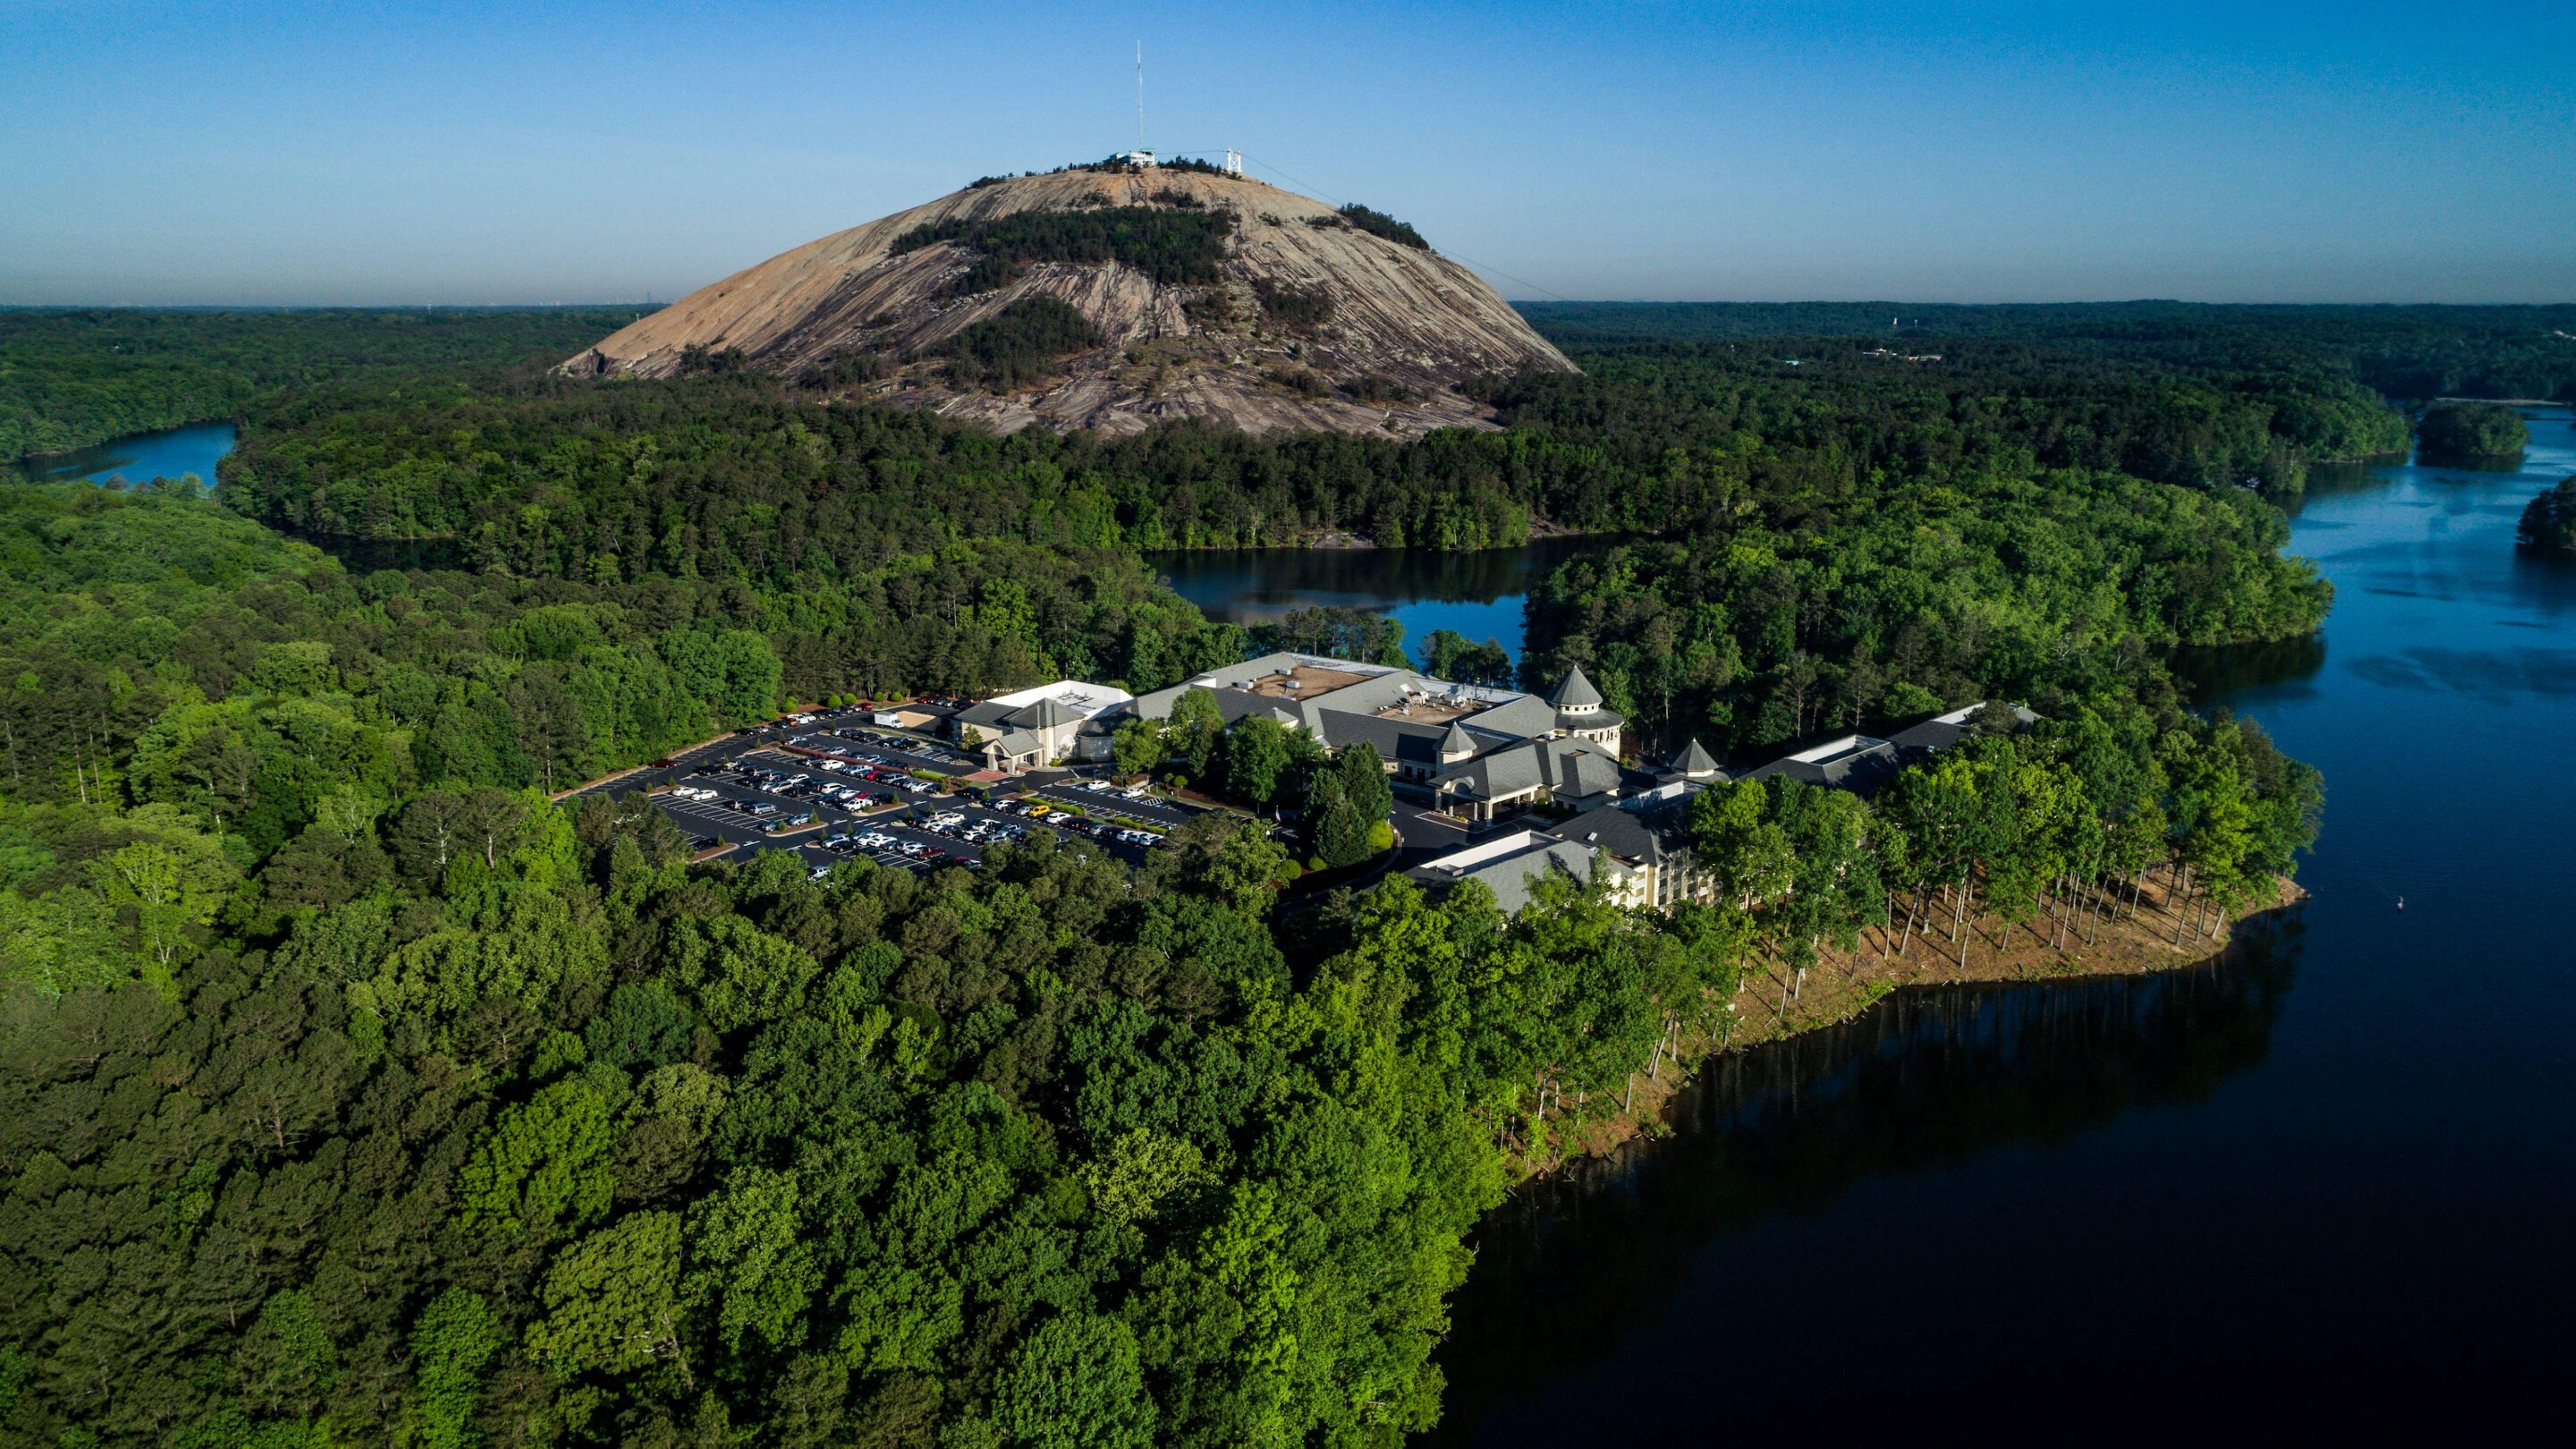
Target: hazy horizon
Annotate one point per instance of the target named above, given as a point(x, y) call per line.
point(297, 155)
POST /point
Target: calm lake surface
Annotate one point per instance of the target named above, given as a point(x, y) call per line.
point(1477, 594)
point(2319, 1190)
point(138, 459)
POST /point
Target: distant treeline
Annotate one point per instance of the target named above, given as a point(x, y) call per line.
point(1855, 550)
point(2406, 352)
point(73, 377)
point(1647, 441)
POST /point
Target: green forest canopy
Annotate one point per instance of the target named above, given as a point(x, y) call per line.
point(2472, 430)
point(73, 377)
point(2549, 520)
point(2403, 351)
point(456, 1117)
point(1168, 244)
point(349, 1090)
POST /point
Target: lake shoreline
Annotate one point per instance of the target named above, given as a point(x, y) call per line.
point(1769, 1007)
point(130, 437)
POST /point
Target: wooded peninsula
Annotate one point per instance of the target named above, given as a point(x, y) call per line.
point(354, 1090)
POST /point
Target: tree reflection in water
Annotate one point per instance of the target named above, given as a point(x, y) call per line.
point(1931, 1077)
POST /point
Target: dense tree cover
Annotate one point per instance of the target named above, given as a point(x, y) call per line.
point(1341, 802)
point(70, 378)
point(2471, 430)
point(1292, 307)
point(2410, 352)
point(1837, 406)
point(1379, 224)
point(154, 644)
point(1448, 654)
point(350, 1092)
point(586, 477)
point(1767, 631)
point(734, 476)
point(544, 1136)
point(2549, 520)
point(1017, 346)
point(1334, 631)
point(1173, 245)
point(2041, 827)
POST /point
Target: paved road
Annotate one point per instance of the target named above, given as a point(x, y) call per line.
point(1426, 834)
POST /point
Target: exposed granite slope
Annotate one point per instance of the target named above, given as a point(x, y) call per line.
point(1406, 316)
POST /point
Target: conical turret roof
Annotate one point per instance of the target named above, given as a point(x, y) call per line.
point(1575, 692)
point(1690, 759)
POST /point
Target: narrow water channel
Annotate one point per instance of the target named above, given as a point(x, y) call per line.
point(2317, 1190)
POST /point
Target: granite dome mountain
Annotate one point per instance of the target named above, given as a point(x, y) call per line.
point(1111, 297)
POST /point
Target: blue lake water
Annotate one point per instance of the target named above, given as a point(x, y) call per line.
point(1479, 595)
point(138, 459)
point(2318, 1191)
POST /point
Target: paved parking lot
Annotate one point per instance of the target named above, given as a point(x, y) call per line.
point(892, 807)
point(767, 736)
point(869, 744)
point(1161, 814)
point(709, 802)
point(1085, 827)
point(892, 828)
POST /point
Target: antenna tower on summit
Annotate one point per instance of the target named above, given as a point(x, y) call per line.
point(1140, 156)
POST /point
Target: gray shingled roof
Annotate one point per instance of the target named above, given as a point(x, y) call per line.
point(1457, 741)
point(1495, 776)
point(1583, 773)
point(1690, 759)
point(1864, 767)
point(1512, 876)
point(1614, 829)
point(1944, 730)
point(1526, 717)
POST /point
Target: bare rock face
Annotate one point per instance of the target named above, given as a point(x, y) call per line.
point(1384, 337)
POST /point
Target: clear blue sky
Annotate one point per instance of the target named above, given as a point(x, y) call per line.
point(2254, 150)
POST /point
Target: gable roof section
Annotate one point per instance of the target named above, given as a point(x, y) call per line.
point(1578, 769)
point(1858, 763)
point(1524, 718)
point(1942, 731)
point(1497, 774)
